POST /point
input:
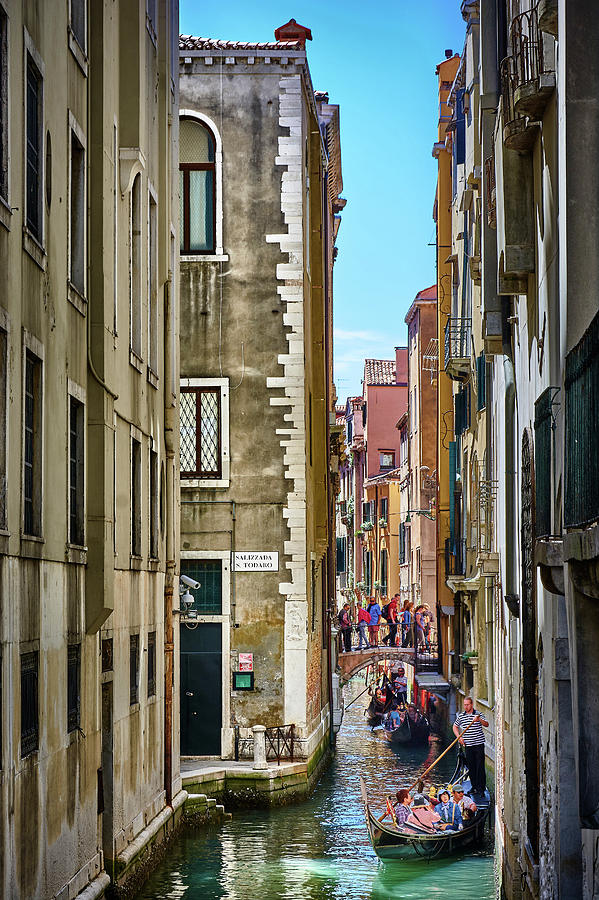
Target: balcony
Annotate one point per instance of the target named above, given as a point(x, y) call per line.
point(491, 192)
point(536, 80)
point(455, 558)
point(458, 333)
point(519, 132)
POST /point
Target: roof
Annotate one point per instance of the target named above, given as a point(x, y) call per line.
point(189, 42)
point(428, 296)
point(379, 371)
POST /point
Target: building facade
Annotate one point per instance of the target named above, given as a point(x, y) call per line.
point(88, 440)
point(257, 521)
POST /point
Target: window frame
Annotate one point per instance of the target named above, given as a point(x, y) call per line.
point(218, 250)
point(152, 657)
point(30, 739)
point(77, 135)
point(32, 58)
point(133, 669)
point(152, 279)
point(135, 487)
point(154, 504)
point(72, 32)
point(33, 349)
point(4, 381)
point(193, 481)
point(4, 110)
point(136, 268)
point(383, 453)
point(73, 687)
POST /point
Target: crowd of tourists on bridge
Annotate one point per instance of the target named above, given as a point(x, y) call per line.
point(391, 624)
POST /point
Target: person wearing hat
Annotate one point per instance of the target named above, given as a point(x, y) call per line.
point(466, 804)
point(400, 683)
point(422, 819)
point(448, 811)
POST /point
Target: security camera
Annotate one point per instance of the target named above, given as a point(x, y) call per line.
point(190, 582)
point(187, 600)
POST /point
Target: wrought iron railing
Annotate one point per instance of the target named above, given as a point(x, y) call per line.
point(457, 339)
point(280, 743)
point(582, 429)
point(426, 656)
point(509, 83)
point(487, 494)
point(455, 557)
point(490, 191)
point(527, 47)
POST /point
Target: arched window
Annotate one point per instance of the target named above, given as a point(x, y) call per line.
point(197, 181)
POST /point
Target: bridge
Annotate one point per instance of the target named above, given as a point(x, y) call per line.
point(351, 662)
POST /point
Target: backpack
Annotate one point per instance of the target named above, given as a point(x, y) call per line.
point(385, 611)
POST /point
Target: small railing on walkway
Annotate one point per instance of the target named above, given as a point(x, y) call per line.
point(279, 739)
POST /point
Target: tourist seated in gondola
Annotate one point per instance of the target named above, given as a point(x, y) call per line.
point(466, 804)
point(448, 811)
point(413, 713)
point(402, 808)
point(422, 819)
point(393, 720)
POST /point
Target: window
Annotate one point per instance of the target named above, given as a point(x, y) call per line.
point(76, 472)
point(153, 285)
point(29, 703)
point(3, 105)
point(383, 571)
point(366, 512)
point(135, 266)
point(384, 508)
point(201, 432)
point(33, 202)
point(197, 187)
point(32, 461)
point(79, 22)
point(481, 371)
point(73, 687)
point(403, 446)
point(386, 459)
point(543, 461)
point(350, 432)
point(208, 597)
point(402, 544)
point(341, 554)
point(154, 506)
point(3, 420)
point(133, 669)
point(151, 663)
point(462, 410)
point(135, 497)
point(367, 562)
point(77, 215)
point(107, 655)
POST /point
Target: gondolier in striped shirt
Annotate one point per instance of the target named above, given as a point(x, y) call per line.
point(473, 743)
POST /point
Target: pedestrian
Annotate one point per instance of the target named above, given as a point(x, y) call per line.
point(392, 617)
point(406, 624)
point(345, 623)
point(363, 622)
point(473, 743)
point(374, 611)
point(419, 617)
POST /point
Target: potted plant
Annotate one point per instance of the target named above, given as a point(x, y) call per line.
point(361, 586)
point(469, 656)
point(377, 585)
point(360, 533)
point(367, 526)
point(382, 522)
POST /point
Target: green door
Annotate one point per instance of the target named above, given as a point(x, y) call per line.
point(201, 690)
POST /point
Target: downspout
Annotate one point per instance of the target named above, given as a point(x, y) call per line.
point(170, 415)
point(511, 591)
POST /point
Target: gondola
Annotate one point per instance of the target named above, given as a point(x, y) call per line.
point(389, 842)
point(410, 732)
point(375, 712)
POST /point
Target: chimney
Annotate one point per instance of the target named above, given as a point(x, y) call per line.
point(401, 365)
point(448, 53)
point(291, 31)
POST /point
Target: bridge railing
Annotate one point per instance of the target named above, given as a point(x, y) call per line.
point(425, 645)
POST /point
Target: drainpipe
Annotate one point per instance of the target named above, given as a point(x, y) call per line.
point(170, 416)
point(511, 591)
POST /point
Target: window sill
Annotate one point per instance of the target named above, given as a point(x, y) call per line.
point(4, 539)
point(76, 554)
point(78, 52)
point(205, 483)
point(154, 565)
point(134, 707)
point(204, 257)
point(5, 213)
point(135, 361)
point(34, 249)
point(32, 546)
point(152, 377)
point(136, 562)
point(76, 298)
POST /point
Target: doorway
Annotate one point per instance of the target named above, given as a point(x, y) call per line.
point(201, 689)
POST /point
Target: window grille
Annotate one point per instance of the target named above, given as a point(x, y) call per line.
point(29, 703)
point(208, 597)
point(73, 687)
point(151, 663)
point(133, 669)
point(34, 150)
point(201, 440)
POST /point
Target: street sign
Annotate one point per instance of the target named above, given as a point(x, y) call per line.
point(246, 662)
point(256, 561)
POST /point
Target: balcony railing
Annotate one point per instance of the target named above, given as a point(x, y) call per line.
point(455, 558)
point(490, 191)
point(582, 429)
point(457, 347)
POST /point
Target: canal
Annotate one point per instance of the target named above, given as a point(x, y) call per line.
point(319, 849)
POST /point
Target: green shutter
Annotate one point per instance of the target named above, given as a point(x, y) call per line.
point(452, 474)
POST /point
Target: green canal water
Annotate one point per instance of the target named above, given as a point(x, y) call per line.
point(319, 849)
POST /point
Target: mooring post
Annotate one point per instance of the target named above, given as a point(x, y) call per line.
point(259, 747)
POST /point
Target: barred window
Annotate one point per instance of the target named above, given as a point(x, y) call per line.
point(29, 703)
point(208, 598)
point(201, 438)
point(73, 687)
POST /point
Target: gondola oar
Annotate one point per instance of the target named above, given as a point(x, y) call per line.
point(356, 698)
point(453, 743)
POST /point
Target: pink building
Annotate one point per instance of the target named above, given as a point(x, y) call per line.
point(385, 401)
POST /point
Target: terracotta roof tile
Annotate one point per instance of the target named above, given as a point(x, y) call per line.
point(379, 371)
point(189, 42)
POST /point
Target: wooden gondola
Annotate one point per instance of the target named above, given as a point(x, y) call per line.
point(410, 732)
point(375, 712)
point(390, 842)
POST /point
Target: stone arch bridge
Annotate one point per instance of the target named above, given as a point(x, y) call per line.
point(352, 662)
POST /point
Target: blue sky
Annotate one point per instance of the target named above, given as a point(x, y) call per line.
point(377, 61)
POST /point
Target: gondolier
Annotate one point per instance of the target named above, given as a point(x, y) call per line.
point(474, 743)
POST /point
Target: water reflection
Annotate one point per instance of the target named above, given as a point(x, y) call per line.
point(319, 850)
